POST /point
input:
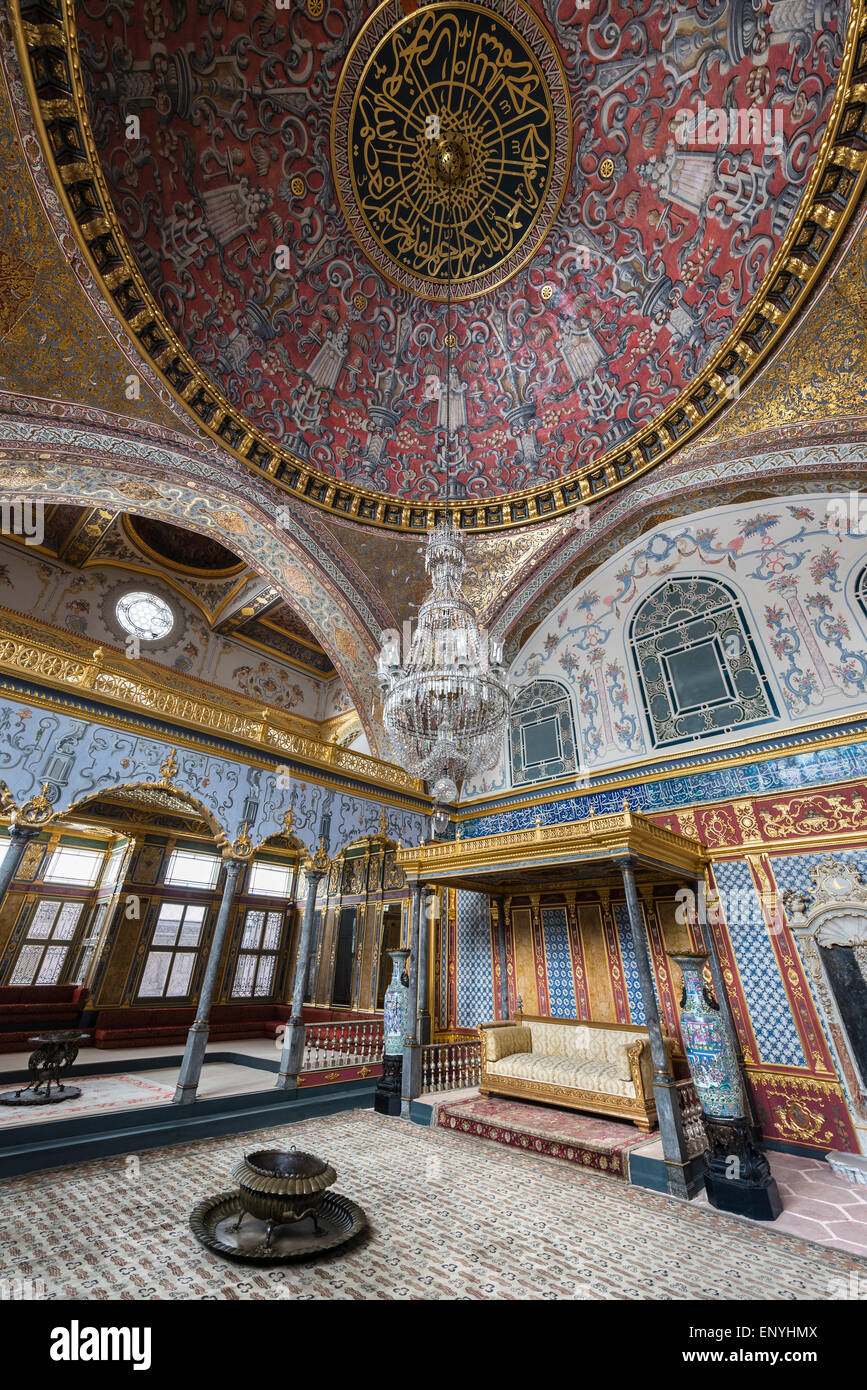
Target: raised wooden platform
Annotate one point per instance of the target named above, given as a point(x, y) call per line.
point(602, 1145)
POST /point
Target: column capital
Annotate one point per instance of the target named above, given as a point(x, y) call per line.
point(318, 863)
point(20, 833)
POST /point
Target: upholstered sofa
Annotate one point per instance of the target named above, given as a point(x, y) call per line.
point(601, 1067)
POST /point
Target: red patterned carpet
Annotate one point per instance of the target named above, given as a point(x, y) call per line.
point(585, 1139)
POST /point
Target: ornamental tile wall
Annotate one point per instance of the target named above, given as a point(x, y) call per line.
point(558, 958)
point(630, 968)
point(475, 974)
point(788, 772)
point(770, 1013)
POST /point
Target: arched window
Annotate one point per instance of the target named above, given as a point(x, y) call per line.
point(541, 733)
point(698, 667)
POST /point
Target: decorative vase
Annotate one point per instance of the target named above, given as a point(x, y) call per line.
point(396, 1005)
point(713, 1063)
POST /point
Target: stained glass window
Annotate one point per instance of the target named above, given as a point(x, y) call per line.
point(177, 934)
point(49, 935)
point(257, 961)
point(698, 669)
point(541, 735)
point(144, 615)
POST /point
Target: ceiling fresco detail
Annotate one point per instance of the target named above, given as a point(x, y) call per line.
point(227, 196)
point(458, 146)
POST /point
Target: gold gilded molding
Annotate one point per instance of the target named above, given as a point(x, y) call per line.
point(51, 71)
point(597, 837)
point(824, 733)
point(239, 718)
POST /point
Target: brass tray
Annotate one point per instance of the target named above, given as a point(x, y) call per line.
point(214, 1220)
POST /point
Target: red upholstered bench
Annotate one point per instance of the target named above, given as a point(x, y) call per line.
point(28, 1009)
point(135, 1027)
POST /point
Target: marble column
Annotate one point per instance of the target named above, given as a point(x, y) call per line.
point(500, 905)
point(20, 836)
point(197, 1038)
point(292, 1055)
point(411, 1083)
point(674, 1148)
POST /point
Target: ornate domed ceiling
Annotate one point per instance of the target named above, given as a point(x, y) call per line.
point(283, 180)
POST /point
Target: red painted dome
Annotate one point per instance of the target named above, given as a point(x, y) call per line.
point(661, 234)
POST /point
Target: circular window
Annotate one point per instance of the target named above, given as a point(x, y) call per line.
point(145, 615)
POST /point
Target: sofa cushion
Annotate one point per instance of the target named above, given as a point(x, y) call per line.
point(582, 1074)
point(583, 1040)
point(501, 1042)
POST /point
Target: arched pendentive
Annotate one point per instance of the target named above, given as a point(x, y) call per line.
point(247, 521)
point(787, 467)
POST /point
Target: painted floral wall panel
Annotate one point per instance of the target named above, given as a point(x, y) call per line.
point(758, 623)
point(79, 758)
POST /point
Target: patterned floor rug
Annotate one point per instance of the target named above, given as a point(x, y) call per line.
point(449, 1218)
point(98, 1093)
point(586, 1139)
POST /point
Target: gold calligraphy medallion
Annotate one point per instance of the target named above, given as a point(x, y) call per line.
point(461, 104)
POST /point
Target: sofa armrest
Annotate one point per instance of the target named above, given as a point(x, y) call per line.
point(502, 1039)
point(642, 1069)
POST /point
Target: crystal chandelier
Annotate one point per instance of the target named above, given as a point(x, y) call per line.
point(446, 707)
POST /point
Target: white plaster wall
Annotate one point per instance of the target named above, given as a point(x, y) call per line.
point(81, 602)
point(792, 563)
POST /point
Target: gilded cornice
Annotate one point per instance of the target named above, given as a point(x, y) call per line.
point(594, 839)
point(827, 733)
point(70, 665)
point(51, 71)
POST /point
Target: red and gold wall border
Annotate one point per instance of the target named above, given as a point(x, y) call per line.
point(51, 68)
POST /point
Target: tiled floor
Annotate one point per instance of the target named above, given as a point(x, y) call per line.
point(818, 1204)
